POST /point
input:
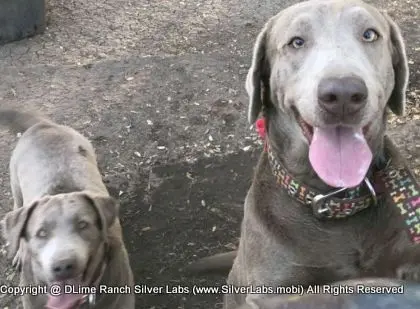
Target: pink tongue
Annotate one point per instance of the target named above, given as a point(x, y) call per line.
point(340, 156)
point(64, 300)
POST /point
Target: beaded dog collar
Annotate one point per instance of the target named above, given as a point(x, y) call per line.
point(327, 205)
point(394, 182)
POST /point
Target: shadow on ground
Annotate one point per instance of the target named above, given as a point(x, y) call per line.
point(180, 212)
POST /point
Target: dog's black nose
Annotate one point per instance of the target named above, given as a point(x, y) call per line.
point(341, 96)
point(64, 269)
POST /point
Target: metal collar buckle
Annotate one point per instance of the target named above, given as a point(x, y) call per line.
point(89, 300)
point(322, 210)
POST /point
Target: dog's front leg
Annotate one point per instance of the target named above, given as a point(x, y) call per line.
point(406, 264)
point(409, 272)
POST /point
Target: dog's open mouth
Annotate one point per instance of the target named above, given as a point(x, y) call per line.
point(339, 155)
point(65, 295)
point(307, 130)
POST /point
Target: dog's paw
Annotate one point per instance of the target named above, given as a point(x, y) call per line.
point(409, 272)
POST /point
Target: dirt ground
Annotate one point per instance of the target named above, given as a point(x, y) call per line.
point(158, 86)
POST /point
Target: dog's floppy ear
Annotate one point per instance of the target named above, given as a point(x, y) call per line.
point(106, 207)
point(399, 62)
point(14, 224)
point(257, 75)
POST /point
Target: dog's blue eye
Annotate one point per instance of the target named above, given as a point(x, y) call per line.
point(82, 225)
point(42, 233)
point(297, 42)
point(370, 35)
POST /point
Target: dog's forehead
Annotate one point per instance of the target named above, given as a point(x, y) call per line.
point(61, 207)
point(327, 6)
point(324, 13)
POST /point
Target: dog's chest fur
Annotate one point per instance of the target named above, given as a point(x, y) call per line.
point(370, 243)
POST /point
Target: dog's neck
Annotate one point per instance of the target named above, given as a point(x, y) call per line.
point(116, 274)
point(293, 151)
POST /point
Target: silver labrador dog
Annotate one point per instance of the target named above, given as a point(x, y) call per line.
point(64, 230)
point(323, 74)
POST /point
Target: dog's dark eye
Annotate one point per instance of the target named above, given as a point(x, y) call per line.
point(42, 233)
point(370, 35)
point(297, 42)
point(81, 225)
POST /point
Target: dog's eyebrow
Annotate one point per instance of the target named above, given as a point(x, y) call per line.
point(301, 25)
point(363, 18)
point(47, 223)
